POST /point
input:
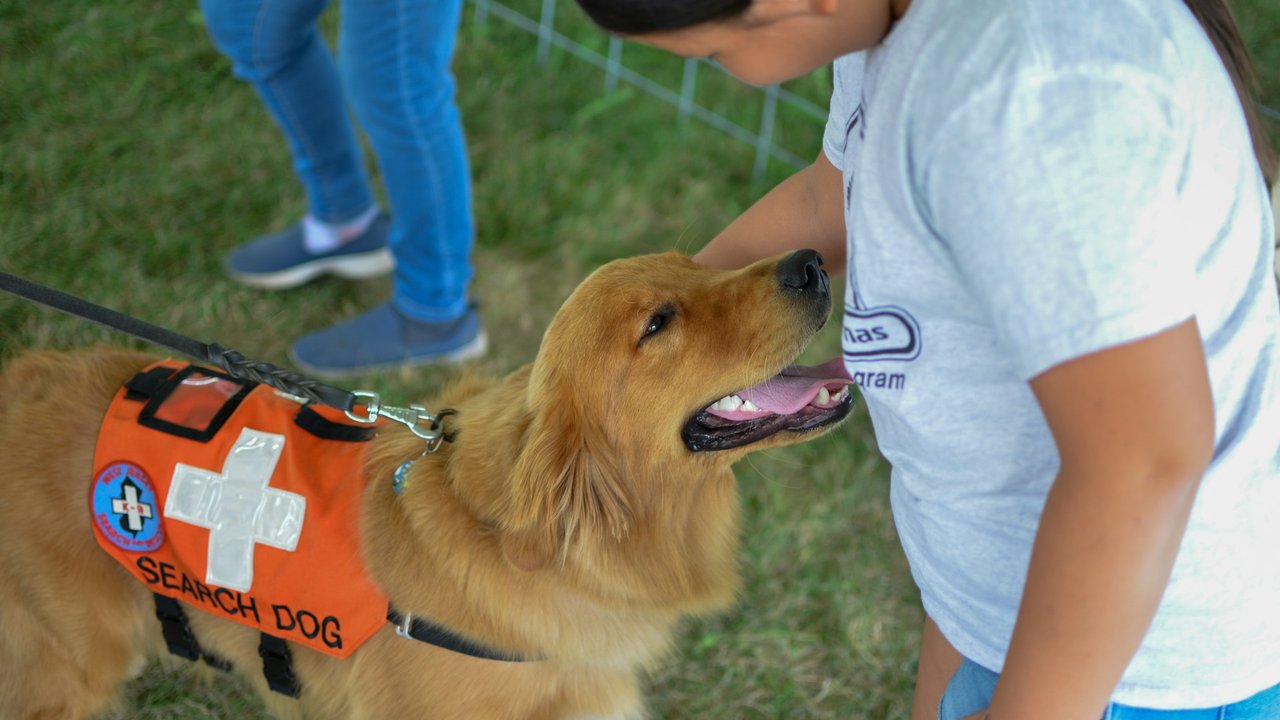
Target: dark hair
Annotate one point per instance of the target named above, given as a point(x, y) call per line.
point(638, 17)
point(1219, 23)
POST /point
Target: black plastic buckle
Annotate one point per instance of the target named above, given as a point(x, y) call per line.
point(177, 632)
point(178, 635)
point(277, 665)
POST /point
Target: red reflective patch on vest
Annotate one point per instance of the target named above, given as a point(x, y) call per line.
point(262, 526)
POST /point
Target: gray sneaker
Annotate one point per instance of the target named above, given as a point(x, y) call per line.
point(382, 338)
point(281, 260)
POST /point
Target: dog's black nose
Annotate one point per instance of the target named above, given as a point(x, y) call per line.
point(801, 271)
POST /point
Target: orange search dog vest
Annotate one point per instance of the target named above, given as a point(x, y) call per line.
point(240, 501)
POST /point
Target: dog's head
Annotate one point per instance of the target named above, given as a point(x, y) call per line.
point(657, 371)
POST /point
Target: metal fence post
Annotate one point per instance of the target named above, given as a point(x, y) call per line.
point(613, 65)
point(686, 89)
point(764, 140)
point(546, 28)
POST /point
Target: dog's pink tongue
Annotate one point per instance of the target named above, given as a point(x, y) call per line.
point(795, 387)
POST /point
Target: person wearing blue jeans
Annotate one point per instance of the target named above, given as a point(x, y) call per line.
point(393, 70)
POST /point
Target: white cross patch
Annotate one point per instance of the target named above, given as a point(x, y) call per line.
point(130, 507)
point(238, 508)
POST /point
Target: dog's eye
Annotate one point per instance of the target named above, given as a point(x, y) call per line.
point(658, 320)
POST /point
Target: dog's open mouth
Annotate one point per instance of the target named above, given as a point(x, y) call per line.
point(798, 399)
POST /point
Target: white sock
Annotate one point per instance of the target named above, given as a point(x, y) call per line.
point(319, 237)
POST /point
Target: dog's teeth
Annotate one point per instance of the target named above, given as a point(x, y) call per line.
point(750, 406)
point(728, 403)
point(844, 393)
point(824, 396)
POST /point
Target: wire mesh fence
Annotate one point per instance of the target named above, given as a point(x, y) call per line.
point(539, 18)
point(544, 19)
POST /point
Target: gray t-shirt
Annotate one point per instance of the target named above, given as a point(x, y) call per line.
point(1026, 182)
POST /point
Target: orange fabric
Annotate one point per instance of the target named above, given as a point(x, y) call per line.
point(318, 595)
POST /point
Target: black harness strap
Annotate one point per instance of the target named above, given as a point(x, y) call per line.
point(428, 632)
point(178, 635)
point(277, 665)
point(144, 385)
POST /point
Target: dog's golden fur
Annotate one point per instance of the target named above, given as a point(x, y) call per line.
point(566, 521)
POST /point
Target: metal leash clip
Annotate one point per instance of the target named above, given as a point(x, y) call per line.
point(404, 629)
point(415, 417)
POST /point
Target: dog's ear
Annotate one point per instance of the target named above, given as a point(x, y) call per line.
point(565, 485)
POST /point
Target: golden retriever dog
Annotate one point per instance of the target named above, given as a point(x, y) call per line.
point(583, 505)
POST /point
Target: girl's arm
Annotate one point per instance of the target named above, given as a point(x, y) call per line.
point(804, 211)
point(1134, 426)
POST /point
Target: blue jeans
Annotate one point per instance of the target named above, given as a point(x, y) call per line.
point(394, 72)
point(972, 686)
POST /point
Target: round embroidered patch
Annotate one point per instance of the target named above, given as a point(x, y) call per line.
point(125, 508)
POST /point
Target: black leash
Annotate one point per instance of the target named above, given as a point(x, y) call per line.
point(415, 417)
point(230, 361)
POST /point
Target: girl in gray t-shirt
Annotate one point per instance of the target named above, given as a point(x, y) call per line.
point(1061, 313)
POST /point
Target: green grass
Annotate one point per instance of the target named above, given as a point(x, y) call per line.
point(1260, 25)
point(130, 162)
